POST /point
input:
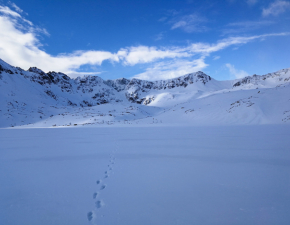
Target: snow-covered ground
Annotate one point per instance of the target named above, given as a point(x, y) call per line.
point(145, 175)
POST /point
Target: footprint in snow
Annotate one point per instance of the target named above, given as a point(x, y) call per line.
point(99, 204)
point(90, 216)
point(95, 195)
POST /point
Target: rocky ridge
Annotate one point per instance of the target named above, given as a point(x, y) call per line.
point(97, 91)
point(53, 98)
point(93, 90)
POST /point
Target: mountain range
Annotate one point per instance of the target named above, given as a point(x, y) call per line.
point(33, 98)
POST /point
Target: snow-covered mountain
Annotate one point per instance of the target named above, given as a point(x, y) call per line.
point(53, 99)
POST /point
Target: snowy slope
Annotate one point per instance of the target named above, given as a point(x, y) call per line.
point(36, 98)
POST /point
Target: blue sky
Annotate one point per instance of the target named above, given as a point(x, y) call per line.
point(147, 39)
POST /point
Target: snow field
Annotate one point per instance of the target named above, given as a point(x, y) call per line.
point(145, 175)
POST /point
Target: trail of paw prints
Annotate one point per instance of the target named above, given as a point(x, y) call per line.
point(101, 185)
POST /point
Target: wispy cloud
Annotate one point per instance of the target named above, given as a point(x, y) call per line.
point(246, 26)
point(251, 2)
point(172, 68)
point(19, 21)
point(206, 48)
point(190, 23)
point(159, 36)
point(20, 46)
point(162, 19)
point(13, 5)
point(197, 53)
point(216, 57)
point(276, 8)
point(7, 11)
point(235, 72)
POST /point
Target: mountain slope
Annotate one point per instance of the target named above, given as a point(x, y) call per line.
point(53, 99)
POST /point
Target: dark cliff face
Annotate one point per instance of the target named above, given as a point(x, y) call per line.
point(118, 84)
point(3, 68)
point(36, 70)
point(50, 78)
point(247, 80)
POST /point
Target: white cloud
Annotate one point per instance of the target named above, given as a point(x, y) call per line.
point(22, 49)
point(276, 8)
point(20, 46)
point(190, 23)
point(171, 69)
point(145, 54)
point(216, 57)
point(235, 72)
point(6, 10)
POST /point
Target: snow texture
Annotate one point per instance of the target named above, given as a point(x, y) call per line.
point(145, 175)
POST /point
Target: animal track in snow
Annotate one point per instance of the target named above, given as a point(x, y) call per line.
point(98, 181)
point(99, 204)
point(95, 195)
point(101, 186)
point(90, 216)
point(110, 167)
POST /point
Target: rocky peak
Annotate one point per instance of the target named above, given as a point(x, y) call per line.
point(183, 81)
point(280, 76)
point(36, 70)
point(135, 87)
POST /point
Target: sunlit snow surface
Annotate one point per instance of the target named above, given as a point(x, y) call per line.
point(145, 175)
